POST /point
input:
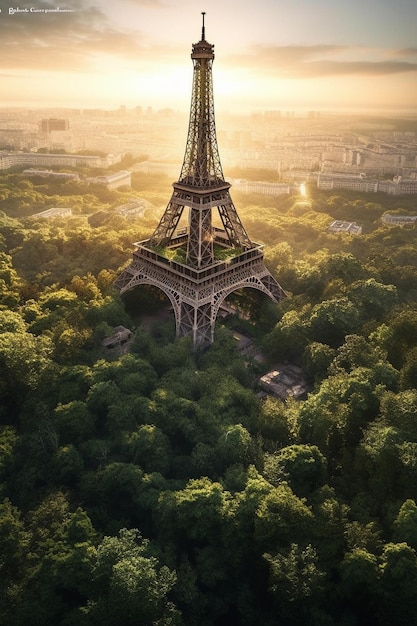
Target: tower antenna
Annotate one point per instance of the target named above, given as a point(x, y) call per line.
point(203, 30)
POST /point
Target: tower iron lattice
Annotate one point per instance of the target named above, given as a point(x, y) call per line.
point(218, 260)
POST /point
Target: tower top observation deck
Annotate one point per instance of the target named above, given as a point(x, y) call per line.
point(203, 49)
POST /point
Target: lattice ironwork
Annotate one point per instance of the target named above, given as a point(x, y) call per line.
point(197, 287)
point(202, 167)
point(201, 186)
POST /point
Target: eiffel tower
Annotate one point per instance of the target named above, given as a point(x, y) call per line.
point(198, 266)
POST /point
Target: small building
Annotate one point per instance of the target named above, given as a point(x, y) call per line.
point(54, 212)
point(287, 381)
point(113, 181)
point(120, 337)
point(340, 226)
point(399, 220)
point(134, 208)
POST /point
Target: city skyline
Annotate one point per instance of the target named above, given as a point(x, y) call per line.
point(269, 55)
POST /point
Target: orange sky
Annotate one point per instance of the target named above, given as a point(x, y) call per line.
point(307, 54)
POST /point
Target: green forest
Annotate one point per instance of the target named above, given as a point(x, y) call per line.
point(155, 486)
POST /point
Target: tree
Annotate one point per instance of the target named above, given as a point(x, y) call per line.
point(130, 373)
point(101, 396)
point(330, 523)
point(289, 338)
point(356, 351)
point(399, 410)
point(279, 513)
point(335, 416)
point(14, 541)
point(67, 465)
point(150, 448)
point(316, 360)
point(398, 571)
point(272, 421)
point(74, 421)
point(372, 298)
point(295, 581)
point(408, 373)
point(25, 365)
point(130, 587)
point(11, 322)
point(399, 336)
point(332, 320)
point(10, 282)
point(197, 511)
point(303, 466)
point(58, 562)
point(116, 490)
point(405, 524)
point(359, 584)
point(377, 463)
point(235, 446)
point(342, 265)
point(8, 441)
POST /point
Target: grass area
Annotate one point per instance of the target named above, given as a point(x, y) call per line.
point(179, 255)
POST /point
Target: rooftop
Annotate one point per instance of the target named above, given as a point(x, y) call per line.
point(287, 381)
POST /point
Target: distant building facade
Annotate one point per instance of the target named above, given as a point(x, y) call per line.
point(51, 124)
point(51, 174)
point(268, 189)
point(14, 159)
point(359, 182)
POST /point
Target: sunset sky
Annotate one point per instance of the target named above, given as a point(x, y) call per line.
point(270, 54)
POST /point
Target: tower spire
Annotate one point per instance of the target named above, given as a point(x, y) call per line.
point(203, 30)
point(199, 265)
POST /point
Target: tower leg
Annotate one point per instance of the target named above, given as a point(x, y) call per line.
point(196, 322)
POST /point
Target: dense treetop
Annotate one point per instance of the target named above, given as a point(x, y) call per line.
point(155, 486)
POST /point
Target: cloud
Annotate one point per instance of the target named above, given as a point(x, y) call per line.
point(407, 52)
point(325, 61)
point(61, 40)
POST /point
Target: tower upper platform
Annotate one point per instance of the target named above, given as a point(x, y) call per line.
point(203, 49)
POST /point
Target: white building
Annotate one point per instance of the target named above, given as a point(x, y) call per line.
point(268, 189)
point(54, 212)
point(13, 159)
point(113, 181)
point(359, 182)
point(340, 226)
point(399, 220)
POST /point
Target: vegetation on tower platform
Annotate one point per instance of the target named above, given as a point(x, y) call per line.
point(154, 486)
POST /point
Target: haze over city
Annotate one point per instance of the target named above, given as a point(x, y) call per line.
point(270, 54)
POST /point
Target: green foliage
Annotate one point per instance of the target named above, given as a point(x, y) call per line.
point(303, 466)
point(129, 585)
point(255, 510)
point(278, 514)
point(295, 581)
point(405, 524)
